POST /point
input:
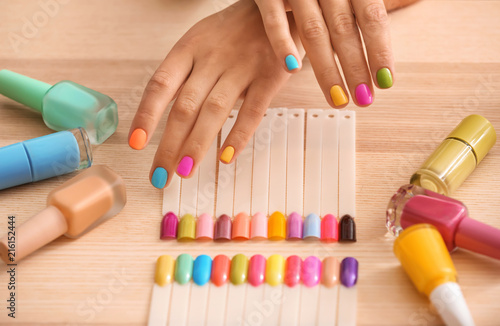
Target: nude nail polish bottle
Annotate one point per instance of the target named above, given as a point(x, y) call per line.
point(73, 209)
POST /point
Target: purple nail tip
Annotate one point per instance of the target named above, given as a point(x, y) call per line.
point(223, 228)
point(349, 272)
point(294, 226)
point(169, 226)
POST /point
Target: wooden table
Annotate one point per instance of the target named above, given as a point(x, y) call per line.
point(448, 66)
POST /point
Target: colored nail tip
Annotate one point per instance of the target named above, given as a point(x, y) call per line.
point(330, 271)
point(169, 226)
point(364, 94)
point(293, 268)
point(227, 154)
point(291, 62)
point(159, 178)
point(185, 166)
point(220, 270)
point(312, 227)
point(294, 227)
point(183, 268)
point(258, 226)
point(164, 273)
point(256, 270)
point(384, 78)
point(138, 139)
point(329, 228)
point(338, 95)
point(205, 227)
point(349, 272)
point(187, 228)
point(222, 230)
point(275, 270)
point(241, 227)
point(311, 271)
point(239, 269)
point(347, 226)
point(202, 269)
point(276, 227)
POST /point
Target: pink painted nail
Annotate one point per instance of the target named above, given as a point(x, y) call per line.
point(293, 269)
point(363, 94)
point(256, 270)
point(205, 227)
point(258, 226)
point(311, 271)
point(329, 228)
point(185, 166)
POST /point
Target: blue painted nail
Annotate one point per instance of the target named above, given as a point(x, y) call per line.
point(312, 226)
point(159, 178)
point(291, 62)
point(202, 269)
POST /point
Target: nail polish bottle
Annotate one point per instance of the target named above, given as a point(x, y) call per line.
point(457, 156)
point(65, 105)
point(414, 205)
point(44, 157)
point(73, 209)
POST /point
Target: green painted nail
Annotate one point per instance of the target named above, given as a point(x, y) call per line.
point(239, 269)
point(384, 78)
point(187, 228)
point(183, 268)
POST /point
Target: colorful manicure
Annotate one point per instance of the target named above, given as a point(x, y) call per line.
point(258, 227)
point(311, 271)
point(347, 229)
point(227, 154)
point(205, 227)
point(220, 270)
point(164, 273)
point(239, 269)
point(330, 272)
point(363, 94)
point(293, 268)
point(256, 270)
point(202, 269)
point(138, 139)
point(338, 95)
point(222, 231)
point(329, 228)
point(294, 227)
point(276, 228)
point(241, 227)
point(185, 166)
point(349, 272)
point(291, 62)
point(187, 228)
point(169, 226)
point(384, 78)
point(312, 227)
point(183, 268)
point(275, 270)
point(159, 178)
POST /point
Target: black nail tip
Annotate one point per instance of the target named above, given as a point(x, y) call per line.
point(347, 229)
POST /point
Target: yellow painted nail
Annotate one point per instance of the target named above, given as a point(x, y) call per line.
point(275, 270)
point(227, 154)
point(338, 96)
point(187, 228)
point(276, 226)
point(239, 269)
point(164, 270)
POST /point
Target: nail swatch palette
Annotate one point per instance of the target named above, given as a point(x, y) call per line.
point(298, 166)
point(255, 291)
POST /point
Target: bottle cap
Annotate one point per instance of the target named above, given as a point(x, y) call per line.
point(23, 89)
point(478, 132)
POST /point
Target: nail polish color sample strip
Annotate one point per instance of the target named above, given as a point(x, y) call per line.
point(242, 291)
point(298, 163)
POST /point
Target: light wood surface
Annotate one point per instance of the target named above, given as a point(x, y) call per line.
point(448, 66)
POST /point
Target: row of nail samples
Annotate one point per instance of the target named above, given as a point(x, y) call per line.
point(257, 270)
point(258, 227)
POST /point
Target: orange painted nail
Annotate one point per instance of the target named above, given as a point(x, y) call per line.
point(221, 266)
point(276, 226)
point(241, 227)
point(138, 139)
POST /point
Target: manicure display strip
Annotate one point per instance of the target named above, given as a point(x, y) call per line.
point(299, 166)
point(255, 291)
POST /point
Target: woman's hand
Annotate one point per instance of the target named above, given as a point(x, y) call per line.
point(222, 57)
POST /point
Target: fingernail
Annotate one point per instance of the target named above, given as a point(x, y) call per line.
point(222, 231)
point(256, 270)
point(312, 227)
point(349, 272)
point(258, 226)
point(239, 269)
point(205, 227)
point(220, 270)
point(275, 270)
point(330, 272)
point(291, 62)
point(347, 229)
point(293, 269)
point(227, 154)
point(187, 228)
point(169, 226)
point(276, 227)
point(202, 268)
point(138, 139)
point(338, 95)
point(311, 271)
point(183, 268)
point(241, 227)
point(329, 228)
point(159, 178)
point(185, 166)
point(164, 273)
point(363, 94)
point(384, 78)
point(294, 227)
